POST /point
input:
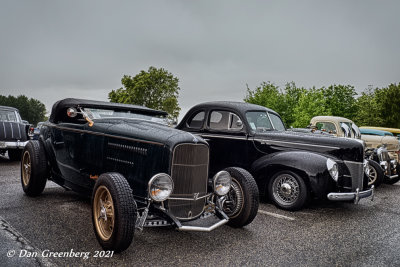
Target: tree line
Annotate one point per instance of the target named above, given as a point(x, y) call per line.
point(159, 89)
point(30, 109)
point(297, 105)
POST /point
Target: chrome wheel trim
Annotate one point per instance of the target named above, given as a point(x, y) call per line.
point(234, 201)
point(373, 176)
point(26, 168)
point(104, 214)
point(285, 189)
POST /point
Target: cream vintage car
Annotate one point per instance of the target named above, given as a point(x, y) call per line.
point(343, 127)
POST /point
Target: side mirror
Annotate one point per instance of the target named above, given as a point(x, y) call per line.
point(72, 112)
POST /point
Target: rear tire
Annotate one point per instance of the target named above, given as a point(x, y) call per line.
point(34, 168)
point(287, 190)
point(242, 201)
point(15, 154)
point(113, 212)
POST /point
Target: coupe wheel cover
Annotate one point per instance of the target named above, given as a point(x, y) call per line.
point(103, 209)
point(286, 189)
point(373, 175)
point(26, 168)
point(234, 200)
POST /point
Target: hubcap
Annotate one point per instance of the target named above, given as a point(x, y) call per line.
point(373, 175)
point(286, 189)
point(26, 168)
point(103, 211)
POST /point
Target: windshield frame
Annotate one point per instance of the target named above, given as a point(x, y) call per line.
point(268, 113)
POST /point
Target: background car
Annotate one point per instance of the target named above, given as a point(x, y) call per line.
point(289, 167)
point(139, 172)
point(13, 132)
point(381, 151)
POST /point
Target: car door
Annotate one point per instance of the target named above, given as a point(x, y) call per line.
point(229, 144)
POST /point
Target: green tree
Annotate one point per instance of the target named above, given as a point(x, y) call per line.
point(368, 110)
point(155, 88)
point(311, 103)
point(388, 100)
point(340, 100)
point(30, 109)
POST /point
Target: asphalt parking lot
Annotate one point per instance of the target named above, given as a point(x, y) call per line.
point(55, 229)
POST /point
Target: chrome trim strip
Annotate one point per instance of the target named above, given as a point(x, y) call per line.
point(190, 199)
point(264, 141)
point(224, 136)
point(203, 229)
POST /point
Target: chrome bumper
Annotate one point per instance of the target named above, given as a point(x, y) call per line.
point(356, 196)
point(202, 228)
point(12, 144)
point(392, 176)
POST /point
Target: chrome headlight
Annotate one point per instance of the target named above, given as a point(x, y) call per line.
point(366, 167)
point(160, 187)
point(394, 163)
point(222, 183)
point(333, 169)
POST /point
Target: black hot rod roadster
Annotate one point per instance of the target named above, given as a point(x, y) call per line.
point(139, 172)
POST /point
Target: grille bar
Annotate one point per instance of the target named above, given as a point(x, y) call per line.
point(189, 172)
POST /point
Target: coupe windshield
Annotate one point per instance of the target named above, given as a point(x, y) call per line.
point(109, 113)
point(8, 115)
point(264, 121)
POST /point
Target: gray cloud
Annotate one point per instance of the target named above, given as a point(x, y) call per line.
point(55, 49)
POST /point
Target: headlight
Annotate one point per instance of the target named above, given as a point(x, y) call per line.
point(160, 187)
point(333, 169)
point(394, 163)
point(222, 183)
point(366, 167)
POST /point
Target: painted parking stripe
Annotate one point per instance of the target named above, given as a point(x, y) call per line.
point(276, 215)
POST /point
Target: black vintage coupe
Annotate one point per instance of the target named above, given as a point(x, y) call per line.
point(139, 171)
point(13, 132)
point(289, 167)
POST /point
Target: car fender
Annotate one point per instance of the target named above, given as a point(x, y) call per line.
point(310, 166)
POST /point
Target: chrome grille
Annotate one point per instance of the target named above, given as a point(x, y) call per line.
point(357, 174)
point(190, 174)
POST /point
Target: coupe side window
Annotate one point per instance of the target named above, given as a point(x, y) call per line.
point(328, 127)
point(225, 120)
point(196, 122)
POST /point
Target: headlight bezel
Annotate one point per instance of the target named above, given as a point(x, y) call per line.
point(153, 183)
point(217, 183)
point(333, 169)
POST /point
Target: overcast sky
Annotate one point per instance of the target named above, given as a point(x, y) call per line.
point(51, 50)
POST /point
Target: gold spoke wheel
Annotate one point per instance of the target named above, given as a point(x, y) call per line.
point(26, 168)
point(104, 213)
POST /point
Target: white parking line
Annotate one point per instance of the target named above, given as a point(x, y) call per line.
point(276, 215)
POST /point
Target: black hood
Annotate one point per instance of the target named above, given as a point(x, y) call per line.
point(13, 131)
point(343, 148)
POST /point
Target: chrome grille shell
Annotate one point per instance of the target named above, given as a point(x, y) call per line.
point(189, 171)
point(356, 170)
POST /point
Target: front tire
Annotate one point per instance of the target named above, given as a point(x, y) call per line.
point(34, 168)
point(288, 191)
point(241, 204)
point(376, 174)
point(113, 212)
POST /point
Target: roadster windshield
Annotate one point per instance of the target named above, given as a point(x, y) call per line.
point(109, 113)
point(264, 121)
